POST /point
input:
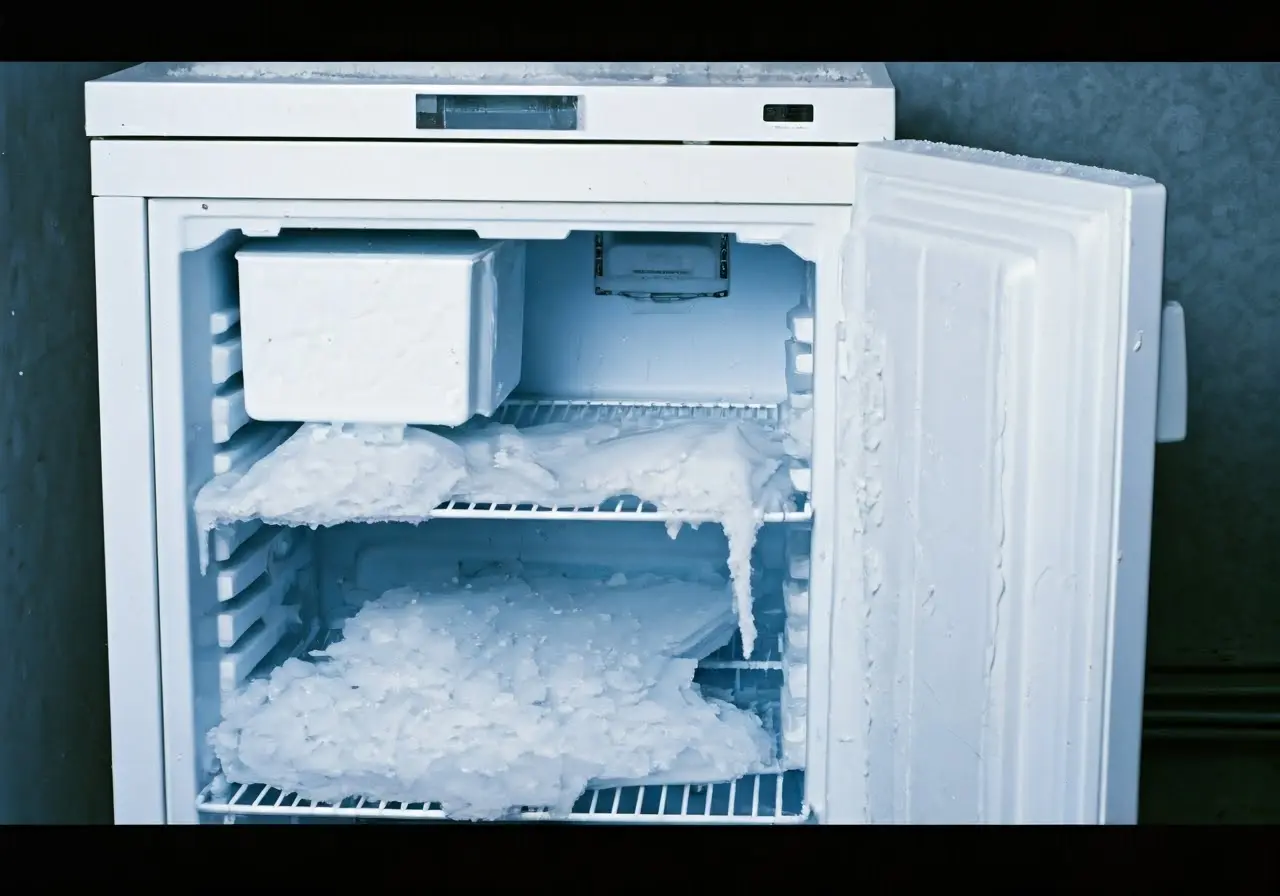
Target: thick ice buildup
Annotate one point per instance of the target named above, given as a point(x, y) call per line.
point(326, 474)
point(722, 471)
point(563, 73)
point(494, 694)
point(726, 471)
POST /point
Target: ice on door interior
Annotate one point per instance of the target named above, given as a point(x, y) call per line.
point(1000, 333)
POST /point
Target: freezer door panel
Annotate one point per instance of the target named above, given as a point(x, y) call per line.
point(996, 408)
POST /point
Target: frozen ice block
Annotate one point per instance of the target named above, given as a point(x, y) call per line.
point(380, 328)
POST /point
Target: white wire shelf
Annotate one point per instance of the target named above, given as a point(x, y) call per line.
point(767, 655)
point(531, 412)
point(755, 799)
point(616, 509)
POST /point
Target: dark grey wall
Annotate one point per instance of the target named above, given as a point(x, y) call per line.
point(54, 750)
point(1207, 132)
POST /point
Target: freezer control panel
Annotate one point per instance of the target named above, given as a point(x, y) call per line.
point(496, 112)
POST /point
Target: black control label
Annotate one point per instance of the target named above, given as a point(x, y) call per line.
point(780, 113)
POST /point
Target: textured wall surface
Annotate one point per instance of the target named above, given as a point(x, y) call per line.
point(54, 746)
point(1208, 133)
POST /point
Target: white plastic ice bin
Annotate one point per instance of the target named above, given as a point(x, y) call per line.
point(380, 328)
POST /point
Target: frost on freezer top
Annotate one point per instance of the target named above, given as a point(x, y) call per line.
point(844, 74)
point(1013, 162)
point(704, 102)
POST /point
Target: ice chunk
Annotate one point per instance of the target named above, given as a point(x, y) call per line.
point(514, 691)
point(330, 473)
point(725, 471)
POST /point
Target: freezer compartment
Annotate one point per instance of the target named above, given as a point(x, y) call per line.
point(380, 327)
point(376, 314)
point(325, 576)
point(583, 358)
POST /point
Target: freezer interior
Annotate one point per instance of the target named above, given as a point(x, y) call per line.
point(600, 344)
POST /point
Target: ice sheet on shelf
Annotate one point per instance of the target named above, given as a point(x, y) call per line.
point(728, 471)
point(323, 475)
point(517, 688)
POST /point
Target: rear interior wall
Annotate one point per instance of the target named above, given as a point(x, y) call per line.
point(580, 345)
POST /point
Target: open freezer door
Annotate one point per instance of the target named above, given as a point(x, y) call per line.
point(996, 416)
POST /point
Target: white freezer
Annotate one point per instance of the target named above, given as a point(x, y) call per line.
point(951, 603)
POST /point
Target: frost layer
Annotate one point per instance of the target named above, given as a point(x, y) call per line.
point(327, 474)
point(726, 471)
point(752, 73)
point(503, 692)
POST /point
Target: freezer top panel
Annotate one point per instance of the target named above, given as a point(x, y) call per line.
point(696, 102)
